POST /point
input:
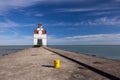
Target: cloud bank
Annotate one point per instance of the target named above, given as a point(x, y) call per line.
point(8, 23)
point(114, 21)
point(6, 5)
point(96, 39)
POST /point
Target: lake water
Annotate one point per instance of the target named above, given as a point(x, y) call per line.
point(10, 49)
point(107, 51)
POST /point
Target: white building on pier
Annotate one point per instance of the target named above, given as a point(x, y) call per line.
point(40, 36)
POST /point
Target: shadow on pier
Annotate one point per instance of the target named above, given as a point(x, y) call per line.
point(100, 72)
point(48, 66)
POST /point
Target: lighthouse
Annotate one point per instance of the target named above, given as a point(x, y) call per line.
point(40, 36)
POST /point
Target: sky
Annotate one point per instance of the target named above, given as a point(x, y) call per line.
point(68, 22)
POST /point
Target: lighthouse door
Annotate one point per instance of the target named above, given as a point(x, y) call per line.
point(39, 42)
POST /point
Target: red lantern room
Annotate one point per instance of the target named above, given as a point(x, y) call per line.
point(35, 31)
point(43, 31)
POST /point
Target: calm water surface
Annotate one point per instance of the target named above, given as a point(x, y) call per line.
point(107, 51)
point(11, 49)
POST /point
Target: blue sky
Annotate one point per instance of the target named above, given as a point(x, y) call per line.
point(68, 22)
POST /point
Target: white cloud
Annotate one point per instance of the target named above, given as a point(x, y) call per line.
point(11, 24)
point(10, 36)
point(59, 24)
point(101, 39)
point(111, 6)
point(38, 15)
point(14, 39)
point(74, 9)
point(103, 13)
point(16, 3)
point(114, 21)
point(113, 39)
point(8, 23)
point(103, 21)
point(1, 31)
point(96, 37)
point(27, 25)
point(6, 5)
point(52, 40)
point(84, 9)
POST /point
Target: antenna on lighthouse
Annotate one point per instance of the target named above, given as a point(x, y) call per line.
point(40, 27)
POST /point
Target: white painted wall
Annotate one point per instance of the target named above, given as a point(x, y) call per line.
point(44, 42)
point(40, 36)
point(35, 41)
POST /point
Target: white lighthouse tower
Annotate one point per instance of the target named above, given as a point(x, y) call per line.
point(40, 36)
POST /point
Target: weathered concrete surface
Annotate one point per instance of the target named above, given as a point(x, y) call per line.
point(37, 64)
point(112, 67)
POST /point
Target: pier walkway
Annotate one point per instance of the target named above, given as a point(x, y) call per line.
point(37, 64)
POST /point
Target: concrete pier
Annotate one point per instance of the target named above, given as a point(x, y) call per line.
point(37, 64)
